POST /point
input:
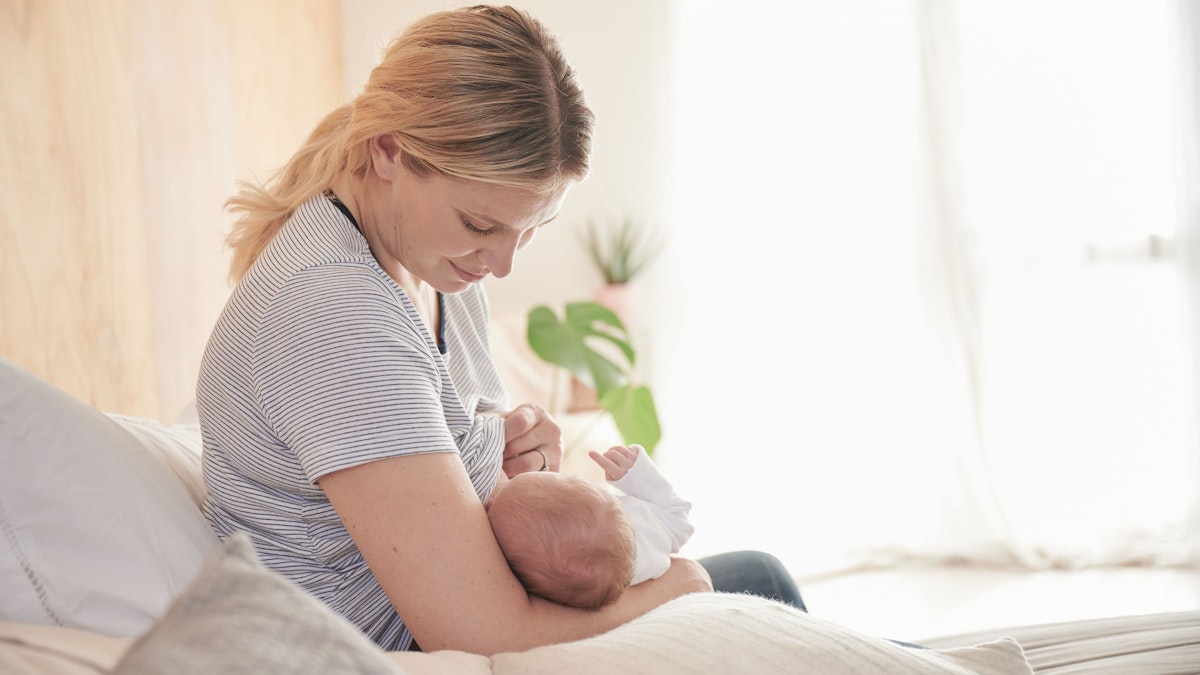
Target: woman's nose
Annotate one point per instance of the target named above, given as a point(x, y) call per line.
point(499, 257)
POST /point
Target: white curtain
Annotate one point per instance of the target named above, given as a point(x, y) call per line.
point(923, 296)
point(1189, 234)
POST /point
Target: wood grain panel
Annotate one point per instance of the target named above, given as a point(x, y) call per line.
point(72, 277)
point(125, 125)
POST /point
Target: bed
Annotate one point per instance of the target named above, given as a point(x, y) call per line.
point(107, 565)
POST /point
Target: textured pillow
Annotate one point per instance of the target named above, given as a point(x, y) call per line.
point(95, 533)
point(236, 617)
point(727, 633)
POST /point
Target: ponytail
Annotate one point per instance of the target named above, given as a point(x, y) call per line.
point(263, 209)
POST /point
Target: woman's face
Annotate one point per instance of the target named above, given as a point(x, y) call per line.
point(451, 233)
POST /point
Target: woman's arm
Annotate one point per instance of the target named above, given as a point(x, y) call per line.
point(426, 537)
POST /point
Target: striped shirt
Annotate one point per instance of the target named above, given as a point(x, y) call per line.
point(320, 362)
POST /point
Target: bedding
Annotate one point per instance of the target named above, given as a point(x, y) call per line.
point(1163, 644)
point(265, 624)
point(237, 617)
point(96, 532)
point(106, 563)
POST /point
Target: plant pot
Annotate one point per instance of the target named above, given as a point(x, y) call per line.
point(621, 299)
point(583, 398)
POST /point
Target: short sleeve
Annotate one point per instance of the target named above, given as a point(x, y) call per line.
point(344, 375)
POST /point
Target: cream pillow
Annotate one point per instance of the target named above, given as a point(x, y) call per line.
point(95, 533)
point(728, 633)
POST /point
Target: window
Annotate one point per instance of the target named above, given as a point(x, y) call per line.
point(825, 376)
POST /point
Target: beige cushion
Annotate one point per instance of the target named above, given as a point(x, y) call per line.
point(725, 633)
point(28, 649)
point(236, 617)
point(444, 662)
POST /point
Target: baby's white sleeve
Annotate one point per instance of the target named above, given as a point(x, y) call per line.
point(659, 516)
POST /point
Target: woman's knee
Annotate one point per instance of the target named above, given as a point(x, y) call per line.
point(753, 572)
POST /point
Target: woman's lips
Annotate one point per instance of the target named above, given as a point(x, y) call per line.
point(467, 276)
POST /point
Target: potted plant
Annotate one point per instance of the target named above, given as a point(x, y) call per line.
point(591, 342)
point(620, 254)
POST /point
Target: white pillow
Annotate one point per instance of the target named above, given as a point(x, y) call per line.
point(729, 633)
point(178, 447)
point(95, 533)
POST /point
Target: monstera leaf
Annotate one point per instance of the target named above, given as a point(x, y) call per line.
point(633, 411)
point(568, 343)
point(564, 343)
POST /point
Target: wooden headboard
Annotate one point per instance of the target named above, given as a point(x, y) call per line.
point(125, 127)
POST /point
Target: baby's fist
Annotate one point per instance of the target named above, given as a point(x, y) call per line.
point(617, 460)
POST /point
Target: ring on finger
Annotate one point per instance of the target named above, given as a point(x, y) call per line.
point(545, 461)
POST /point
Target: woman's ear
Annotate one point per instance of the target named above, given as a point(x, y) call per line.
point(385, 156)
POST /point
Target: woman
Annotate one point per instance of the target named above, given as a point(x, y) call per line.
point(353, 421)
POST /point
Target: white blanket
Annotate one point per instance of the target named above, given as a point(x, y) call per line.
point(1163, 644)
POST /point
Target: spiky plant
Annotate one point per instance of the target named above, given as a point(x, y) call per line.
point(620, 253)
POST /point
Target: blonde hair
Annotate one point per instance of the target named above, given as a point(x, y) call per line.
point(566, 539)
point(481, 93)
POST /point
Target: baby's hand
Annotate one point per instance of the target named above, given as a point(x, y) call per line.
point(616, 461)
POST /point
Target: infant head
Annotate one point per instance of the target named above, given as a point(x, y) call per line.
point(567, 539)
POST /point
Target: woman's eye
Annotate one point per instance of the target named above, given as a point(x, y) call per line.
point(474, 230)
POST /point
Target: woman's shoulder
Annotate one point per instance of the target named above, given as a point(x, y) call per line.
point(317, 252)
point(317, 234)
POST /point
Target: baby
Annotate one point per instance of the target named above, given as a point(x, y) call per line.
point(576, 543)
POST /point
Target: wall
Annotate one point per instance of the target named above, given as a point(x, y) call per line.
point(126, 125)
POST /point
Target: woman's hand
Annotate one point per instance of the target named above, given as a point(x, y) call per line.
point(531, 440)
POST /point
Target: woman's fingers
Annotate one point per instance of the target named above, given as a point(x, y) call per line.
point(532, 440)
point(519, 421)
point(533, 460)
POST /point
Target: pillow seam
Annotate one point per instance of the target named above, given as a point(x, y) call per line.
point(14, 544)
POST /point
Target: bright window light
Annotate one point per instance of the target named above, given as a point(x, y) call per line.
point(797, 380)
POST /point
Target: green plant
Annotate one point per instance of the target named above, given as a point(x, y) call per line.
point(568, 343)
point(619, 253)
